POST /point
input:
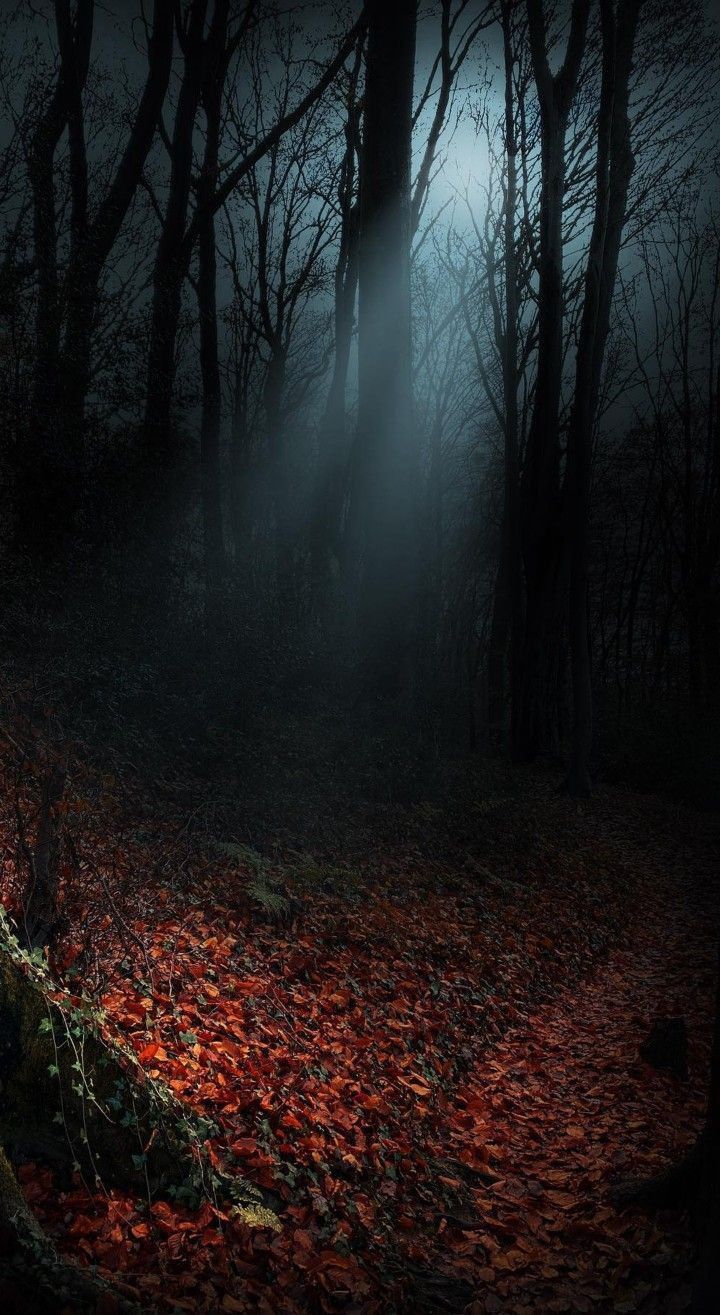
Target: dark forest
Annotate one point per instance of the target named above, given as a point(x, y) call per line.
point(359, 657)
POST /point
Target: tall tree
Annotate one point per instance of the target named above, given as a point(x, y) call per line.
point(332, 446)
point(540, 487)
point(507, 617)
point(181, 230)
point(384, 459)
point(63, 361)
point(614, 165)
point(42, 470)
point(171, 260)
point(220, 46)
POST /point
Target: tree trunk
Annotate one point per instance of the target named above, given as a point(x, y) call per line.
point(47, 481)
point(63, 373)
point(507, 618)
point(541, 477)
point(536, 716)
point(214, 547)
point(385, 460)
point(173, 256)
point(332, 440)
point(279, 487)
point(613, 173)
point(332, 447)
point(70, 1098)
point(178, 239)
point(93, 240)
point(43, 878)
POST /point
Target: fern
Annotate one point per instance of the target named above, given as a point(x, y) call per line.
point(268, 897)
point(242, 854)
point(263, 888)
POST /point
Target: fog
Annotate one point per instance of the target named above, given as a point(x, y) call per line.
point(329, 482)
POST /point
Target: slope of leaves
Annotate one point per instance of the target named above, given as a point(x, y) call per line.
point(430, 1065)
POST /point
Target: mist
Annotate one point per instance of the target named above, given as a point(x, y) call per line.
point(360, 662)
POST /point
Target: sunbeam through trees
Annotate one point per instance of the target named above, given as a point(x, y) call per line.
point(360, 664)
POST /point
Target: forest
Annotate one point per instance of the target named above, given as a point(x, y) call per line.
point(359, 657)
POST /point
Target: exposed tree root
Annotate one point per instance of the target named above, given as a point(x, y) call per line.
point(34, 1280)
point(72, 1099)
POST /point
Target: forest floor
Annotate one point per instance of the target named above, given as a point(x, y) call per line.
point(420, 1037)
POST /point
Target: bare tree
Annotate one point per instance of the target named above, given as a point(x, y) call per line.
point(614, 167)
point(384, 467)
point(287, 216)
point(540, 486)
point(62, 373)
point(181, 230)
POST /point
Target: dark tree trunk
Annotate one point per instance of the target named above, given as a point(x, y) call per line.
point(541, 477)
point(536, 716)
point(273, 394)
point(173, 255)
point(46, 487)
point(330, 490)
point(384, 460)
point(178, 237)
point(215, 70)
point(613, 173)
point(332, 445)
point(52, 471)
point(42, 859)
point(94, 239)
point(507, 618)
point(214, 546)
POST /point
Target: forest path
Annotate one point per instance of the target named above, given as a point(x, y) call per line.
point(433, 1063)
point(564, 1107)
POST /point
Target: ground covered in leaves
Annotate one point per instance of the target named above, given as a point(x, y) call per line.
point(422, 1045)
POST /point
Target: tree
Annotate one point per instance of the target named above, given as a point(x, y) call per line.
point(221, 45)
point(384, 461)
point(180, 232)
point(542, 541)
point(507, 617)
point(329, 496)
point(62, 376)
point(614, 165)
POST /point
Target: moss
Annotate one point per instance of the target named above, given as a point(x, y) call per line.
point(63, 1086)
point(12, 1201)
point(68, 1097)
